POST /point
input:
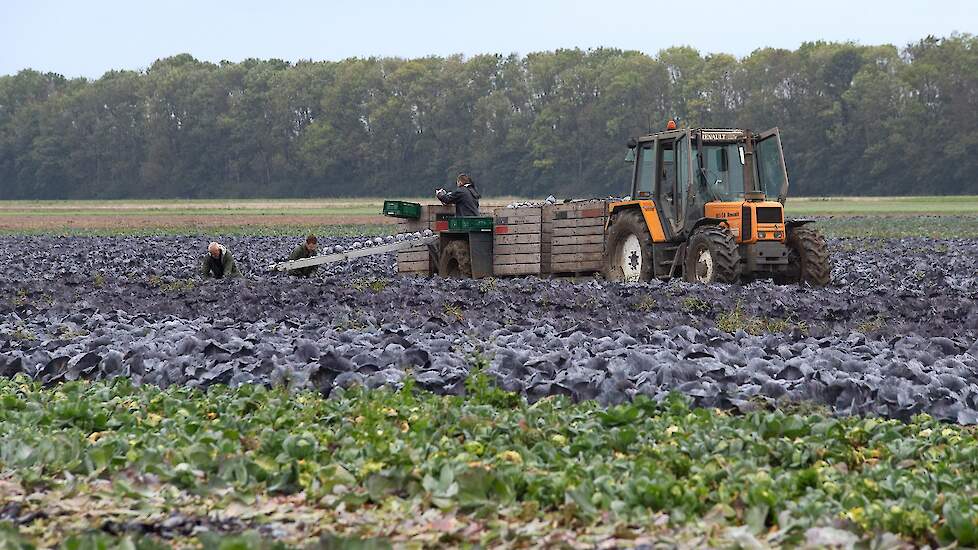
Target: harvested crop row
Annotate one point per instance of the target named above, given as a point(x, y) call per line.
point(894, 337)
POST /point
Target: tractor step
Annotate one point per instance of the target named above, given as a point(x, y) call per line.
point(666, 258)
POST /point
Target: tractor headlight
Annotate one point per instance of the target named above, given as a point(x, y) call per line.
point(761, 234)
point(778, 235)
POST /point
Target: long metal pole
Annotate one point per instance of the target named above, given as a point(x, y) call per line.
point(351, 254)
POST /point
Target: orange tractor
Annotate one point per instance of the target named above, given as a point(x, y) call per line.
point(708, 205)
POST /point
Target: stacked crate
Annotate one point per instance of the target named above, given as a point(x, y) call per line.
point(417, 259)
point(518, 241)
point(577, 243)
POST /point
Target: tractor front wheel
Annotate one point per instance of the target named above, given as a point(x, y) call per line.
point(628, 254)
point(711, 256)
point(454, 260)
point(808, 258)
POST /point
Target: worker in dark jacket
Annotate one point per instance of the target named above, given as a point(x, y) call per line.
point(465, 197)
point(307, 250)
point(218, 263)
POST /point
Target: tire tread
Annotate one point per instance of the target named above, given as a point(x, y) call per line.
point(813, 254)
point(726, 256)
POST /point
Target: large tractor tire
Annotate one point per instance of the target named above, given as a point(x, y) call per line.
point(454, 260)
point(808, 258)
point(628, 251)
point(711, 256)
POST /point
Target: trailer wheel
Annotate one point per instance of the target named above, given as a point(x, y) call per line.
point(628, 254)
point(454, 260)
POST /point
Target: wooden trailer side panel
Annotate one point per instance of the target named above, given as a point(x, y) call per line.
point(546, 237)
point(577, 237)
point(517, 244)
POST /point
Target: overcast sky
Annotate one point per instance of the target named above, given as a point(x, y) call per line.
point(86, 38)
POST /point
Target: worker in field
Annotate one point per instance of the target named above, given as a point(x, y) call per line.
point(218, 263)
point(307, 250)
point(465, 197)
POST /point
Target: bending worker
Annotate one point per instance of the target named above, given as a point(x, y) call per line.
point(307, 250)
point(465, 197)
point(218, 263)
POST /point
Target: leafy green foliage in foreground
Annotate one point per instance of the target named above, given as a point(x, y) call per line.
point(485, 459)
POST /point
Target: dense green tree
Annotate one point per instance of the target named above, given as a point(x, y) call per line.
point(855, 119)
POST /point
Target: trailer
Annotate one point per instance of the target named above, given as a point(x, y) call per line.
point(537, 240)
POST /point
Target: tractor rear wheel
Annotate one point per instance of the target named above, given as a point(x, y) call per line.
point(628, 254)
point(711, 256)
point(808, 258)
point(454, 260)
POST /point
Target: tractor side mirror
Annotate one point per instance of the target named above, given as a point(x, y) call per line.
point(630, 155)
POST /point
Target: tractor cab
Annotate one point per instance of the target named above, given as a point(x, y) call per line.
point(713, 173)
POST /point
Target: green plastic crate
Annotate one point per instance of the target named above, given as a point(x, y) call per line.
point(402, 209)
point(470, 223)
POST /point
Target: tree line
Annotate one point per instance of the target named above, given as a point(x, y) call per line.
point(855, 119)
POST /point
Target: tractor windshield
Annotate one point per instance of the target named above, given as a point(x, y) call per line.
point(723, 172)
